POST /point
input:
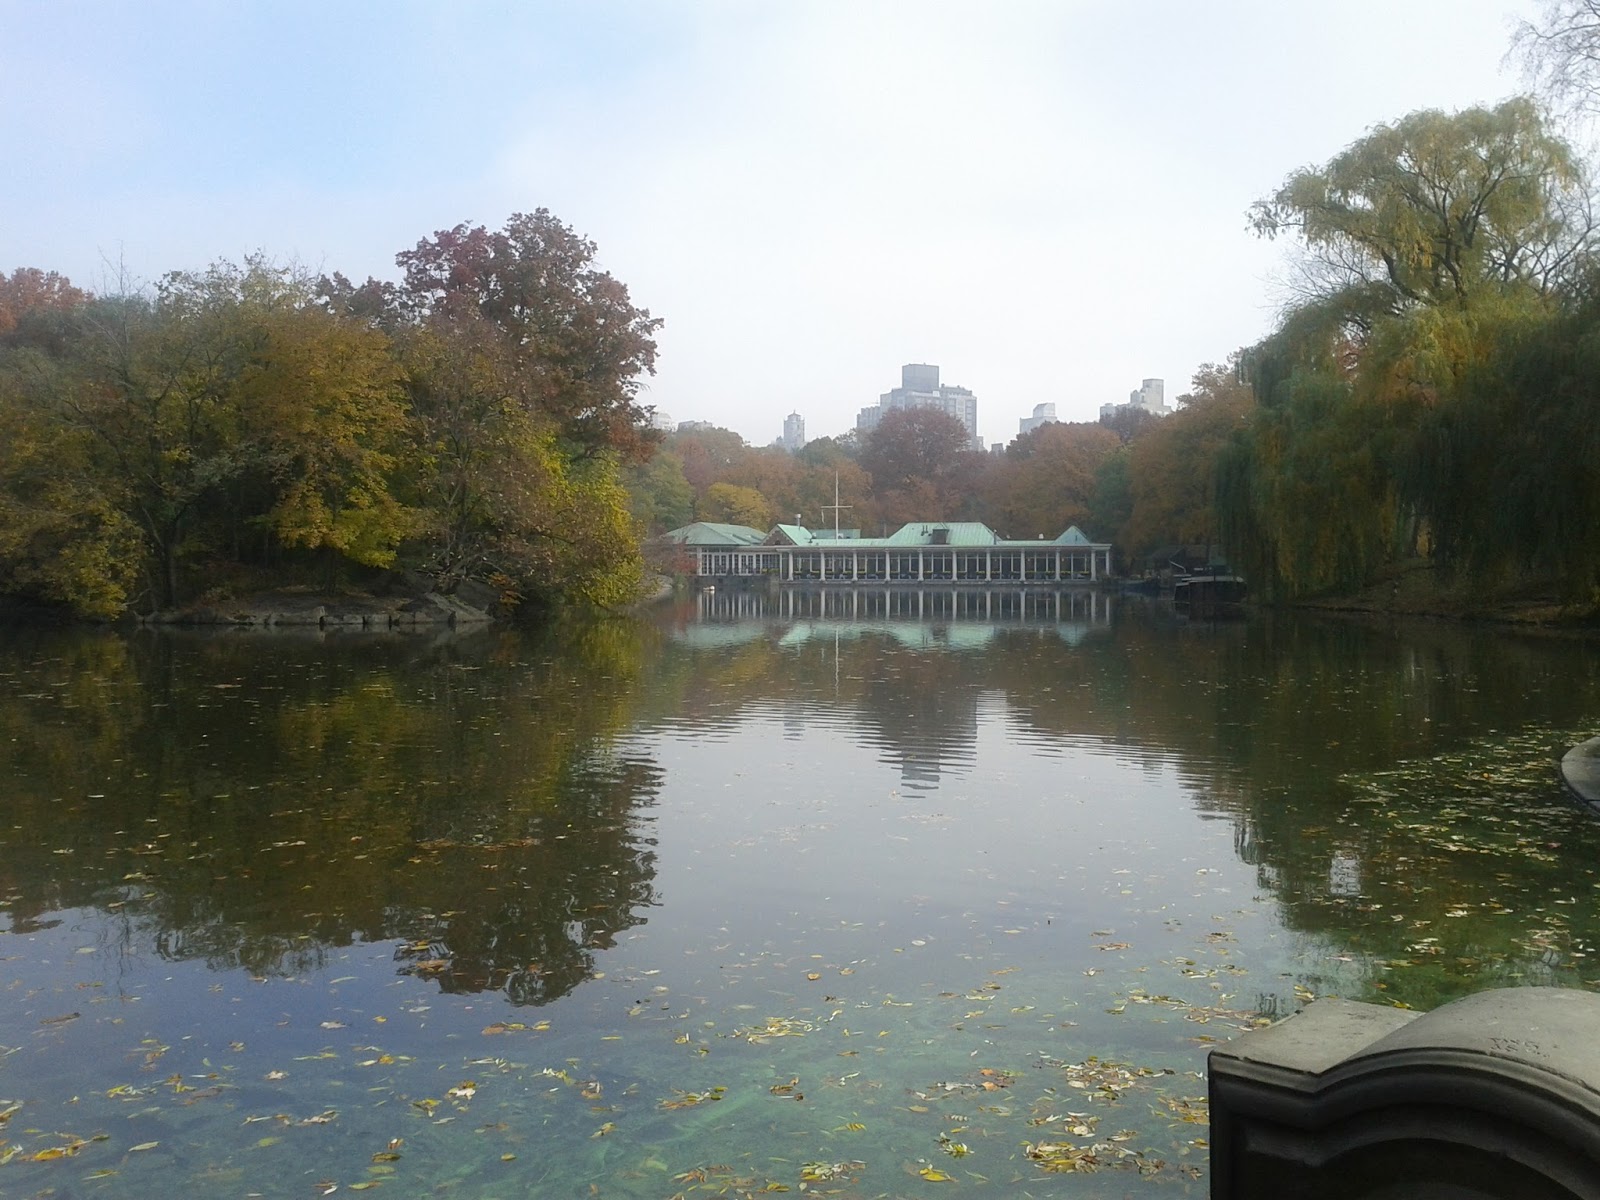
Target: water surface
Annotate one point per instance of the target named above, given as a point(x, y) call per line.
point(755, 895)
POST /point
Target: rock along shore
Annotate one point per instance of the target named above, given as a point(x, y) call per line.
point(291, 611)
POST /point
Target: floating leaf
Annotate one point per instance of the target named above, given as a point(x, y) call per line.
point(143, 1146)
point(681, 1099)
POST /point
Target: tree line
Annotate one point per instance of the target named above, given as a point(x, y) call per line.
point(1138, 481)
point(1430, 396)
point(252, 424)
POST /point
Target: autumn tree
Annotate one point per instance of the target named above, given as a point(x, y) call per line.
point(28, 291)
point(210, 410)
point(1172, 469)
point(1128, 421)
point(710, 455)
point(471, 422)
point(920, 464)
point(1421, 241)
point(523, 362)
point(736, 505)
point(659, 493)
point(575, 348)
point(829, 451)
point(1438, 208)
point(1046, 480)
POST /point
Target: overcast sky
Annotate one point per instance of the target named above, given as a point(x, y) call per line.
point(1045, 199)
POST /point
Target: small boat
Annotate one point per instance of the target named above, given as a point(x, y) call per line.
point(1208, 593)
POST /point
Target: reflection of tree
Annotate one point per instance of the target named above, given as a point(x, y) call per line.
point(252, 801)
point(1370, 778)
point(557, 896)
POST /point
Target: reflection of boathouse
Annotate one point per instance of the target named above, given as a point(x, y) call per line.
point(1070, 611)
point(965, 552)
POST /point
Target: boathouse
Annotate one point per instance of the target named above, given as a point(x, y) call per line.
point(920, 552)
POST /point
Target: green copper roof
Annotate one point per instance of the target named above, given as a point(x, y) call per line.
point(714, 533)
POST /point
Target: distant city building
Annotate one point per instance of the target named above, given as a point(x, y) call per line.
point(693, 426)
point(1043, 414)
point(1149, 397)
point(660, 420)
point(794, 432)
point(920, 388)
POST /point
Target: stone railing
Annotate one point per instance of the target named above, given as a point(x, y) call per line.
point(1491, 1097)
point(1580, 768)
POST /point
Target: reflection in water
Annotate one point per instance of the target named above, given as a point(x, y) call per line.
point(920, 715)
point(1364, 774)
point(1072, 610)
point(937, 874)
point(254, 803)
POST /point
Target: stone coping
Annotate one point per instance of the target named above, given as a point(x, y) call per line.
point(1553, 1031)
point(1580, 768)
point(1495, 1096)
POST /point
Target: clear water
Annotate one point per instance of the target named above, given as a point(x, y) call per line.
point(753, 895)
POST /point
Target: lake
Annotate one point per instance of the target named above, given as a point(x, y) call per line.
point(863, 894)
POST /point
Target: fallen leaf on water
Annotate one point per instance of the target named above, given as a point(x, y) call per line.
point(51, 1153)
point(934, 1175)
point(680, 1099)
point(143, 1146)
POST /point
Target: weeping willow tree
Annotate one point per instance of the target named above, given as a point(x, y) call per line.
point(1507, 471)
point(1421, 245)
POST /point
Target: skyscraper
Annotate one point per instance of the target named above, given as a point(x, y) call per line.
point(1043, 414)
point(920, 388)
point(794, 432)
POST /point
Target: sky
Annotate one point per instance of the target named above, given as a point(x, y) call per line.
point(1046, 199)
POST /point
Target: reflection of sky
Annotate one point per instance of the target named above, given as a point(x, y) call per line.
point(785, 813)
